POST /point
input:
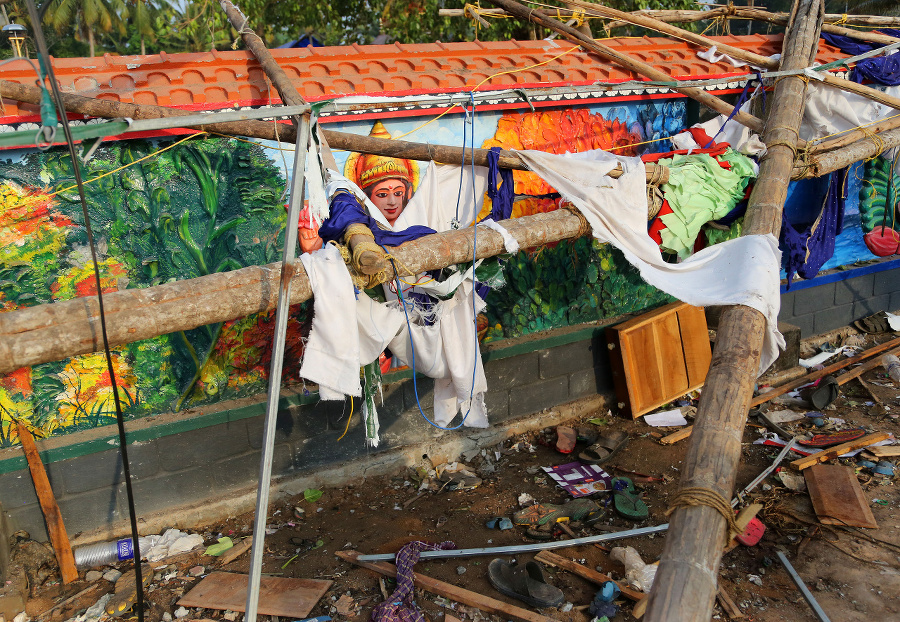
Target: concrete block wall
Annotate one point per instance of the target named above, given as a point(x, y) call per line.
point(836, 300)
point(192, 466)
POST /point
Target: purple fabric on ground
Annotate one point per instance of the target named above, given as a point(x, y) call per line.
point(400, 607)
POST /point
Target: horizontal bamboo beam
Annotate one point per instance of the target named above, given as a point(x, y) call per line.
point(267, 130)
point(830, 161)
point(52, 332)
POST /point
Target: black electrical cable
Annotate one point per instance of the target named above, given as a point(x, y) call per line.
point(120, 420)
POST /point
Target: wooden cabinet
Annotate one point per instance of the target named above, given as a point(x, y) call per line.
point(658, 356)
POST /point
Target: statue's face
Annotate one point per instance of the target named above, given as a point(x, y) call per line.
point(390, 196)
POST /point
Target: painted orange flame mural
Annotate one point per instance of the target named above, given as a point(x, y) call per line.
point(556, 131)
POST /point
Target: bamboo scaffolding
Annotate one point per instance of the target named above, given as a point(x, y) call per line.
point(591, 8)
point(688, 16)
point(685, 585)
point(710, 101)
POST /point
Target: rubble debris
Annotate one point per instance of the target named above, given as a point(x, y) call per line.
point(278, 596)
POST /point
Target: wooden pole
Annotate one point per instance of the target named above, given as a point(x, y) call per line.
point(639, 67)
point(592, 8)
point(830, 161)
point(848, 138)
point(52, 332)
point(782, 18)
point(56, 529)
point(685, 585)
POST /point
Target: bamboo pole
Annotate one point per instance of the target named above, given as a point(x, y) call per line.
point(848, 138)
point(782, 18)
point(830, 161)
point(685, 585)
point(639, 67)
point(592, 8)
point(54, 331)
point(688, 16)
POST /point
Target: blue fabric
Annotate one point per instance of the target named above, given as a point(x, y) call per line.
point(346, 210)
point(502, 197)
point(854, 47)
point(806, 251)
point(881, 69)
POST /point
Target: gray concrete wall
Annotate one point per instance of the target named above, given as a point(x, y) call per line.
point(201, 467)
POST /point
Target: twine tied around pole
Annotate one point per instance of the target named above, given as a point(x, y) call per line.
point(698, 495)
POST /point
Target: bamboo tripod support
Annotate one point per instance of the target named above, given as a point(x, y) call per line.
point(685, 585)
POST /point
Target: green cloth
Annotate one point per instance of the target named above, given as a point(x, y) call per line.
point(700, 190)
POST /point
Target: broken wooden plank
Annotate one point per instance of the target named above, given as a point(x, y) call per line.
point(812, 377)
point(278, 596)
point(460, 595)
point(837, 450)
point(236, 551)
point(674, 437)
point(728, 605)
point(884, 451)
point(837, 496)
point(56, 529)
point(552, 559)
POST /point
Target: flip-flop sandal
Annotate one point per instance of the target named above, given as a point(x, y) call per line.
point(586, 434)
point(543, 513)
point(527, 583)
point(125, 595)
point(627, 503)
point(604, 448)
point(823, 393)
point(834, 438)
point(874, 324)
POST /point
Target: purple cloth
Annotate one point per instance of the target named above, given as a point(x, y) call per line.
point(346, 210)
point(502, 197)
point(400, 607)
point(881, 69)
point(853, 47)
point(806, 251)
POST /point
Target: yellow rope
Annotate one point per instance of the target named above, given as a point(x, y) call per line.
point(116, 170)
point(349, 417)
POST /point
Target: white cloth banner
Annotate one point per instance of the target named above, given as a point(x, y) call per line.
point(743, 271)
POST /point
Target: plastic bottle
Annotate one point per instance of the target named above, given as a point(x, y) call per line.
point(104, 553)
point(892, 364)
point(637, 573)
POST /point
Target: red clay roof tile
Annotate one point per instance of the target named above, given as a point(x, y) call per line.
point(213, 80)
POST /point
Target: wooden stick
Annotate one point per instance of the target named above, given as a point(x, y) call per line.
point(236, 551)
point(639, 67)
point(868, 147)
point(813, 376)
point(685, 587)
point(856, 372)
point(552, 559)
point(848, 138)
point(674, 437)
point(458, 594)
point(731, 609)
point(56, 529)
point(837, 450)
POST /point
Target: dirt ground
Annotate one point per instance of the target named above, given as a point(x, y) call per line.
point(854, 574)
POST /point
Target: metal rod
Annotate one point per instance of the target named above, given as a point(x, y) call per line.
point(522, 548)
point(802, 587)
point(765, 473)
point(281, 318)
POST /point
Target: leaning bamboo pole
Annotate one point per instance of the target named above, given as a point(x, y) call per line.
point(710, 101)
point(816, 165)
point(591, 8)
point(685, 585)
point(54, 331)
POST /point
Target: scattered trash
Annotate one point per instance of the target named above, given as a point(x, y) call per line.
point(525, 500)
point(526, 582)
point(580, 480)
point(171, 542)
point(638, 574)
point(792, 481)
point(499, 522)
point(223, 545)
point(667, 418)
point(755, 579)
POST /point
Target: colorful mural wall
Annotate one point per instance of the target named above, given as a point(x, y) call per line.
point(167, 209)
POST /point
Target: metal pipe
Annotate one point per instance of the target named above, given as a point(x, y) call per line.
point(522, 548)
point(765, 473)
point(281, 318)
point(823, 617)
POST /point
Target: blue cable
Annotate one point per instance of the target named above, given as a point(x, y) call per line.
point(412, 348)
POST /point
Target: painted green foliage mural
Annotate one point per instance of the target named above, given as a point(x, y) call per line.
point(878, 199)
point(200, 207)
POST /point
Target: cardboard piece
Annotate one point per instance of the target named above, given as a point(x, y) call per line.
point(837, 496)
point(278, 596)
